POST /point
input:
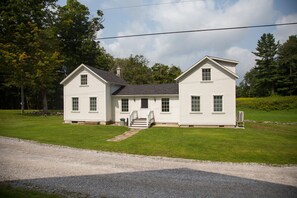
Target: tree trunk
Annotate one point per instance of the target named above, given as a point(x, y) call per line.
point(44, 102)
point(22, 99)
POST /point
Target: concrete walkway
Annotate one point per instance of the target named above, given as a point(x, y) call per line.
point(124, 135)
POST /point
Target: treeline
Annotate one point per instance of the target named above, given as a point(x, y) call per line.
point(41, 42)
point(275, 72)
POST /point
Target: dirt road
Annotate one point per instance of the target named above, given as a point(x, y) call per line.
point(103, 174)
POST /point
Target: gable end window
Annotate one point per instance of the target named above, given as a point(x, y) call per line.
point(206, 74)
point(74, 104)
point(93, 104)
point(165, 104)
point(217, 103)
point(195, 103)
point(84, 79)
point(125, 105)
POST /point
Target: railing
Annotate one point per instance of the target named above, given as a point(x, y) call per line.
point(133, 115)
point(150, 119)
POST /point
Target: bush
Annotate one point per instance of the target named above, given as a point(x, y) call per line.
point(268, 103)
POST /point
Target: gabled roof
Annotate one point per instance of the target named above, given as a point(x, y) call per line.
point(155, 89)
point(213, 60)
point(105, 76)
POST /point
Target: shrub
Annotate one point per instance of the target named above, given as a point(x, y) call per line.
point(268, 103)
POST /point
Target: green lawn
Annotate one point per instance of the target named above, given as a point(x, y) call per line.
point(262, 143)
point(275, 116)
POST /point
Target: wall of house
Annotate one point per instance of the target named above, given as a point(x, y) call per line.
point(95, 88)
point(154, 104)
point(220, 84)
point(108, 100)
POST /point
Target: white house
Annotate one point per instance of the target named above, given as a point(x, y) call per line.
point(204, 95)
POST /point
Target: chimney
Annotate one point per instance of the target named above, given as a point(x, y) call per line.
point(118, 72)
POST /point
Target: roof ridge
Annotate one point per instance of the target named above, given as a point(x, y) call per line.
point(108, 76)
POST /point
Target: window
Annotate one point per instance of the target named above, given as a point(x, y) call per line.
point(165, 104)
point(125, 105)
point(218, 103)
point(144, 103)
point(75, 104)
point(195, 107)
point(93, 104)
point(206, 74)
point(84, 79)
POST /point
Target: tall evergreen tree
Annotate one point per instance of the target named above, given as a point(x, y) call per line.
point(287, 62)
point(266, 65)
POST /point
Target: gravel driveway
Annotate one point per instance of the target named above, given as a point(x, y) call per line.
point(77, 172)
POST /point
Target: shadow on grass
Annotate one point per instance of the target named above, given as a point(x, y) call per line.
point(160, 183)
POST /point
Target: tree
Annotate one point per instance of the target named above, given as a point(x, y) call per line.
point(266, 65)
point(134, 69)
point(47, 62)
point(174, 72)
point(287, 62)
point(163, 74)
point(160, 73)
point(77, 34)
point(247, 86)
point(19, 20)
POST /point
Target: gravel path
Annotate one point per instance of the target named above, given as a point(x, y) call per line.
point(103, 174)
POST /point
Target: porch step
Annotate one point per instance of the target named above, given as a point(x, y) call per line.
point(139, 123)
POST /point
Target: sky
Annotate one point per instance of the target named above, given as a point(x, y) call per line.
point(184, 50)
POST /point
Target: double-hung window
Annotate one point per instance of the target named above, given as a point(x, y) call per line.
point(165, 105)
point(125, 105)
point(217, 103)
point(75, 104)
point(206, 75)
point(84, 79)
point(93, 104)
point(195, 103)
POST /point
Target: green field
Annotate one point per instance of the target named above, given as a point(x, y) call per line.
point(275, 108)
point(261, 143)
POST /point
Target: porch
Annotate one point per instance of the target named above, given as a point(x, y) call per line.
point(140, 119)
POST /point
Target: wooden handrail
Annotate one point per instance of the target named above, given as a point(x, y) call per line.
point(133, 115)
point(150, 119)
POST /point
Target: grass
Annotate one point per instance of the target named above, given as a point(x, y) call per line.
point(274, 108)
point(274, 116)
point(8, 191)
point(260, 143)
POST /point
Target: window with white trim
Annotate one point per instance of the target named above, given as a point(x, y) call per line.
point(217, 103)
point(84, 79)
point(75, 104)
point(195, 103)
point(165, 104)
point(206, 74)
point(93, 104)
point(125, 105)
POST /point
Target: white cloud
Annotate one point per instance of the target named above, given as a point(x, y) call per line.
point(282, 33)
point(186, 49)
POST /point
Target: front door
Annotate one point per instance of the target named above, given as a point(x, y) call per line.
point(143, 112)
